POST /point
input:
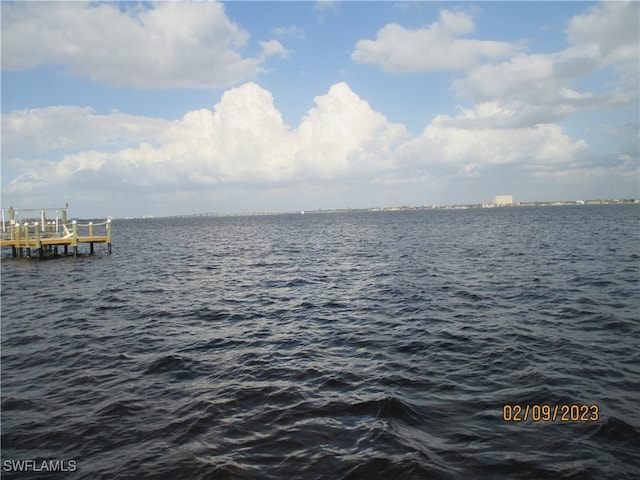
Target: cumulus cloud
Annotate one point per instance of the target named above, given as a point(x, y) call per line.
point(243, 141)
point(343, 135)
point(437, 47)
point(163, 45)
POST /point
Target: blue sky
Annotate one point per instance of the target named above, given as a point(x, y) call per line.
point(167, 108)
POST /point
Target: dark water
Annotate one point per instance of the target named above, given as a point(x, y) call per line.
point(355, 345)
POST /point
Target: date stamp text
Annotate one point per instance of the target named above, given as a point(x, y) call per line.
point(550, 413)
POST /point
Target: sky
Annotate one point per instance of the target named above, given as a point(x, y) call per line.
point(165, 108)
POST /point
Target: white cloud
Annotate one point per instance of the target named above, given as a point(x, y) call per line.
point(322, 5)
point(41, 130)
point(291, 31)
point(166, 45)
point(612, 28)
point(513, 89)
point(273, 48)
point(244, 143)
point(343, 135)
point(540, 86)
point(243, 139)
point(499, 114)
point(341, 146)
point(446, 147)
point(438, 47)
point(325, 6)
point(540, 79)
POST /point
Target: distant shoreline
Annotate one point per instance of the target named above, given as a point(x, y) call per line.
point(393, 209)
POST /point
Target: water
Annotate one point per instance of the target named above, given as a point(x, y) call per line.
point(352, 345)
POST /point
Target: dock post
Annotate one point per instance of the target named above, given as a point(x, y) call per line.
point(26, 238)
point(91, 235)
point(15, 233)
point(75, 238)
point(109, 236)
point(36, 234)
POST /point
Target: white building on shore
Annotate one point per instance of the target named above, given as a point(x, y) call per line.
point(503, 200)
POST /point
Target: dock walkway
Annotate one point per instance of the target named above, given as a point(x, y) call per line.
point(46, 237)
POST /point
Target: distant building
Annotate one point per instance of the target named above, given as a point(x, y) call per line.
point(502, 200)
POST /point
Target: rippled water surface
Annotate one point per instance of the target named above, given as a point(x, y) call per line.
point(344, 345)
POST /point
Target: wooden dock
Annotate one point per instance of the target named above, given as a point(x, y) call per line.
point(47, 237)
